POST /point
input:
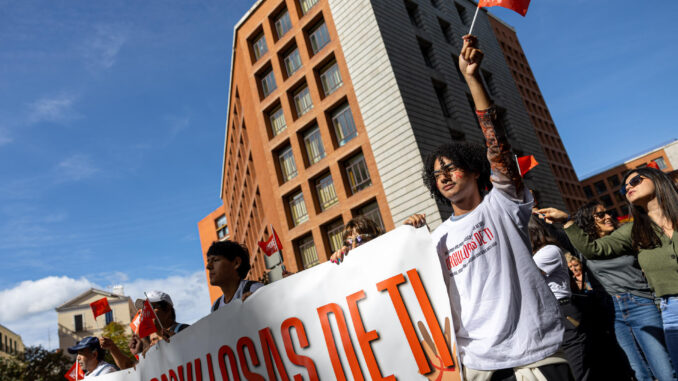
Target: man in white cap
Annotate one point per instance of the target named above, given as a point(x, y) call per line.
point(164, 309)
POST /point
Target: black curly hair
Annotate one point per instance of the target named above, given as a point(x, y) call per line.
point(466, 156)
point(586, 221)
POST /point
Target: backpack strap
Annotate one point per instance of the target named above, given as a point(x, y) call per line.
point(248, 286)
point(216, 304)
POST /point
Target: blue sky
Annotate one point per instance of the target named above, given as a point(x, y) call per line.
point(112, 126)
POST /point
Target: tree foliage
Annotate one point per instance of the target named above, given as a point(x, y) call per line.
point(35, 364)
point(116, 332)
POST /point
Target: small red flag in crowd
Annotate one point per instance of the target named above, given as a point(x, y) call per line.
point(526, 163)
point(653, 164)
point(519, 6)
point(135, 322)
point(100, 307)
point(75, 373)
point(146, 325)
point(271, 245)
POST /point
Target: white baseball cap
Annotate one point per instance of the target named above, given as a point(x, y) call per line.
point(156, 296)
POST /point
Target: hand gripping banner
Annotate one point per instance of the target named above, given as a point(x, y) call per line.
point(382, 314)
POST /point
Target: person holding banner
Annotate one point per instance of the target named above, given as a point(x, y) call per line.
point(91, 357)
point(507, 322)
point(228, 263)
point(357, 231)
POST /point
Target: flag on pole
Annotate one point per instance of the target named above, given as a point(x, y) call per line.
point(75, 373)
point(134, 325)
point(271, 245)
point(519, 6)
point(146, 325)
point(100, 307)
point(526, 163)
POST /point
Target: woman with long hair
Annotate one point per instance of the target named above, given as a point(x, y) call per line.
point(653, 202)
point(549, 257)
point(357, 231)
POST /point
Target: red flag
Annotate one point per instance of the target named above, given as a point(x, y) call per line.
point(519, 6)
point(146, 324)
point(100, 307)
point(75, 373)
point(525, 163)
point(653, 164)
point(135, 322)
point(271, 245)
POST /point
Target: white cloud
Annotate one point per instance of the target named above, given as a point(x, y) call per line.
point(76, 167)
point(28, 307)
point(56, 109)
point(102, 48)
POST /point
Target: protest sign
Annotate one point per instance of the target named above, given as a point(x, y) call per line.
point(382, 314)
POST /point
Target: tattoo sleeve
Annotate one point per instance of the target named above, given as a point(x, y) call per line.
point(505, 173)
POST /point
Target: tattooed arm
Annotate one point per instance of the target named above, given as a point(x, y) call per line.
point(505, 173)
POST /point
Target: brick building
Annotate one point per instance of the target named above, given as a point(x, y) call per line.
point(332, 106)
point(10, 343)
point(604, 186)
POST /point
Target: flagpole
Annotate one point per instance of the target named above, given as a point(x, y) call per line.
point(474, 18)
point(156, 316)
point(76, 369)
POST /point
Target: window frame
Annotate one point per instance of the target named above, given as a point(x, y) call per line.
point(313, 35)
point(350, 167)
point(257, 42)
point(294, 200)
point(284, 153)
point(286, 61)
point(308, 242)
point(274, 126)
point(311, 136)
point(278, 25)
point(268, 83)
point(343, 138)
point(322, 184)
point(330, 70)
point(298, 97)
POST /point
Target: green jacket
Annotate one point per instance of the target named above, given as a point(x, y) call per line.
point(660, 264)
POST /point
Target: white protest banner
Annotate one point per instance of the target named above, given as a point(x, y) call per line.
point(382, 314)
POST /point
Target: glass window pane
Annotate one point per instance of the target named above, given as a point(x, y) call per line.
point(283, 24)
point(309, 255)
point(292, 62)
point(335, 234)
point(302, 102)
point(331, 79)
point(287, 165)
point(371, 211)
point(277, 119)
point(268, 83)
point(344, 126)
point(221, 221)
point(306, 5)
point(326, 193)
point(660, 162)
point(319, 37)
point(314, 145)
point(259, 46)
point(357, 173)
point(298, 209)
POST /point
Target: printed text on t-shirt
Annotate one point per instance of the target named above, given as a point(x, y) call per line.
point(466, 248)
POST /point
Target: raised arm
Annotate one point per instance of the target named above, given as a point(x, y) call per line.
point(505, 173)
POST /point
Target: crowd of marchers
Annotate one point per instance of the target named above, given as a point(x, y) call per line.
point(554, 297)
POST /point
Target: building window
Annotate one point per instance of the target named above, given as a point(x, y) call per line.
point(461, 11)
point(412, 13)
point(302, 101)
point(292, 62)
point(309, 255)
point(330, 79)
point(268, 83)
point(1, 346)
point(618, 197)
point(222, 229)
point(109, 317)
point(327, 197)
point(660, 163)
point(298, 208)
point(371, 211)
point(306, 5)
point(319, 37)
point(283, 24)
point(426, 52)
point(277, 119)
point(335, 235)
point(344, 126)
point(607, 200)
point(614, 181)
point(287, 166)
point(314, 145)
point(435, 3)
point(441, 94)
point(600, 187)
point(588, 192)
point(78, 323)
point(259, 47)
point(446, 29)
point(357, 173)
point(10, 346)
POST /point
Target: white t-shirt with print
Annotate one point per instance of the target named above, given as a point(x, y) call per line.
point(504, 313)
point(551, 261)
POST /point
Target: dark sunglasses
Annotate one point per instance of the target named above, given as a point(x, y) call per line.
point(359, 240)
point(635, 180)
point(600, 215)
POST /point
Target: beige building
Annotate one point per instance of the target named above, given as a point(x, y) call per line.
point(10, 342)
point(76, 320)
